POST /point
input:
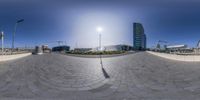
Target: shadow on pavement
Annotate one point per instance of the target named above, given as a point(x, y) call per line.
point(103, 70)
point(105, 73)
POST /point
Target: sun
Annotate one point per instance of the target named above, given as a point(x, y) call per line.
point(99, 29)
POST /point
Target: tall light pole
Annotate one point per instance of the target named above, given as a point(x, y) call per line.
point(2, 44)
point(99, 30)
point(15, 29)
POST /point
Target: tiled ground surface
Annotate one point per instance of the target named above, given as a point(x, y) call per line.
point(139, 76)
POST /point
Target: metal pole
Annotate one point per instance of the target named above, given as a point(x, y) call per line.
point(13, 37)
point(100, 50)
point(99, 41)
point(2, 44)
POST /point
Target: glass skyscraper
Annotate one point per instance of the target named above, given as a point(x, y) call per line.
point(139, 38)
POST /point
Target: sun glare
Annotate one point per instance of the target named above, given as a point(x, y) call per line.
point(99, 29)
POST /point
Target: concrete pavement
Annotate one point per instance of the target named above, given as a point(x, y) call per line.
point(12, 57)
point(187, 58)
point(139, 76)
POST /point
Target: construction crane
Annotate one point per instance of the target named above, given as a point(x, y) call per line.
point(198, 44)
point(159, 42)
point(59, 42)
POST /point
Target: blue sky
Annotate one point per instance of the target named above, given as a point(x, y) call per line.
point(75, 21)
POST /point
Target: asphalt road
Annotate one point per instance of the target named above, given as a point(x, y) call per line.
point(139, 76)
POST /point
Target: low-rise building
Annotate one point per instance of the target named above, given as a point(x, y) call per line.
point(38, 50)
point(197, 50)
point(175, 47)
point(82, 50)
point(178, 48)
point(46, 49)
point(118, 48)
point(63, 48)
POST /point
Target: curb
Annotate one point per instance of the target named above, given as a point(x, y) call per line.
point(12, 57)
point(189, 58)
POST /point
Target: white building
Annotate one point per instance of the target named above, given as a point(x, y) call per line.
point(118, 48)
point(175, 47)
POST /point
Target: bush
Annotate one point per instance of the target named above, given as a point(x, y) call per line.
point(97, 52)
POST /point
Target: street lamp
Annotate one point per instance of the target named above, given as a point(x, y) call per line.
point(2, 47)
point(15, 29)
point(99, 30)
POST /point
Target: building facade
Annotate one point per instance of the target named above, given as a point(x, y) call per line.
point(38, 50)
point(139, 38)
point(82, 50)
point(118, 48)
point(177, 48)
point(61, 48)
point(46, 49)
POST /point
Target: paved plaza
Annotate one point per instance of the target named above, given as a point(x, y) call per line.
point(138, 76)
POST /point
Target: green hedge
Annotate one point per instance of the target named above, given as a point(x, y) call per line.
point(97, 53)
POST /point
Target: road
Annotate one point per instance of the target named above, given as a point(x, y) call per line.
point(139, 76)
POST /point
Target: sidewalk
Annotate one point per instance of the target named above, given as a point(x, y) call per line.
point(187, 58)
point(12, 57)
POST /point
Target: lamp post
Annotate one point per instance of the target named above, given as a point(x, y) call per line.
point(99, 30)
point(2, 44)
point(99, 42)
point(15, 29)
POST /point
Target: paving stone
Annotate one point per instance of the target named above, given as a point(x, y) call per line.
point(139, 76)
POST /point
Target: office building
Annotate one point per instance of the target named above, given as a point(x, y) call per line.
point(139, 38)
